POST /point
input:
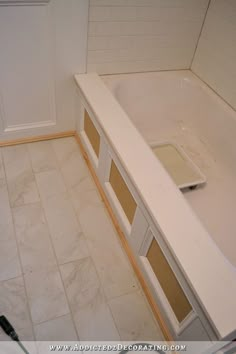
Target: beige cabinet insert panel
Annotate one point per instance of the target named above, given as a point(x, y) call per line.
point(92, 133)
point(122, 192)
point(170, 285)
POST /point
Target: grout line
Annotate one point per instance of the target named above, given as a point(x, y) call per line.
point(141, 20)
point(11, 278)
point(138, 6)
point(143, 72)
point(53, 319)
point(200, 33)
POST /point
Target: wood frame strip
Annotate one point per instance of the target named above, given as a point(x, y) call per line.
point(126, 246)
point(37, 138)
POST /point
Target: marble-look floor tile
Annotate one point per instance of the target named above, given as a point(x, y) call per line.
point(50, 183)
point(116, 275)
point(72, 165)
point(85, 196)
point(115, 272)
point(64, 148)
point(42, 156)
point(68, 239)
point(90, 282)
point(90, 311)
point(9, 259)
point(20, 178)
point(93, 318)
point(13, 304)
point(134, 319)
point(33, 238)
point(46, 295)
point(74, 170)
point(59, 329)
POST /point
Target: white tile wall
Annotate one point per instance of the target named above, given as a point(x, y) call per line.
point(215, 59)
point(143, 35)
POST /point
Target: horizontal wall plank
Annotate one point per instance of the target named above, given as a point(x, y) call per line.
point(139, 30)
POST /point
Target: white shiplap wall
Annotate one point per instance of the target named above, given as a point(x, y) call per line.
point(215, 59)
point(143, 35)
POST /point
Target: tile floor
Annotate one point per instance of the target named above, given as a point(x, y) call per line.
point(63, 272)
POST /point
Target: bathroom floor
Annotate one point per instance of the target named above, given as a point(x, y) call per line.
point(63, 272)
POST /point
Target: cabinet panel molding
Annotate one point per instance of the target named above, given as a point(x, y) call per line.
point(122, 192)
point(167, 279)
point(92, 133)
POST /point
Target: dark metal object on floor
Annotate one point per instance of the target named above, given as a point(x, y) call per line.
point(10, 331)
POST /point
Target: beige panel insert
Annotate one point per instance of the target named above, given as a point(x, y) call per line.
point(122, 192)
point(91, 133)
point(170, 285)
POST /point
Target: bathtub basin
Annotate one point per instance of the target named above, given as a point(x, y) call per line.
point(176, 106)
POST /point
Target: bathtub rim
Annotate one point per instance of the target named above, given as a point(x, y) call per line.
point(103, 105)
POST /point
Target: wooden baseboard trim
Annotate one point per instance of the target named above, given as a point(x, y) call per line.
point(37, 138)
point(126, 246)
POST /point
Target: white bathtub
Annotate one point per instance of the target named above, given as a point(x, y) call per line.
point(195, 229)
point(176, 106)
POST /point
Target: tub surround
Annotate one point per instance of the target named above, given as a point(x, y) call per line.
point(214, 60)
point(146, 35)
point(157, 189)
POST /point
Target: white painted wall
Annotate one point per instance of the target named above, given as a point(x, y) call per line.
point(143, 35)
point(43, 44)
point(215, 57)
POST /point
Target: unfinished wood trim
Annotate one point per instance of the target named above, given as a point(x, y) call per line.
point(168, 281)
point(37, 138)
point(91, 133)
point(154, 307)
point(122, 192)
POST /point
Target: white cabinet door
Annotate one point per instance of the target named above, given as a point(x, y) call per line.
point(42, 44)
